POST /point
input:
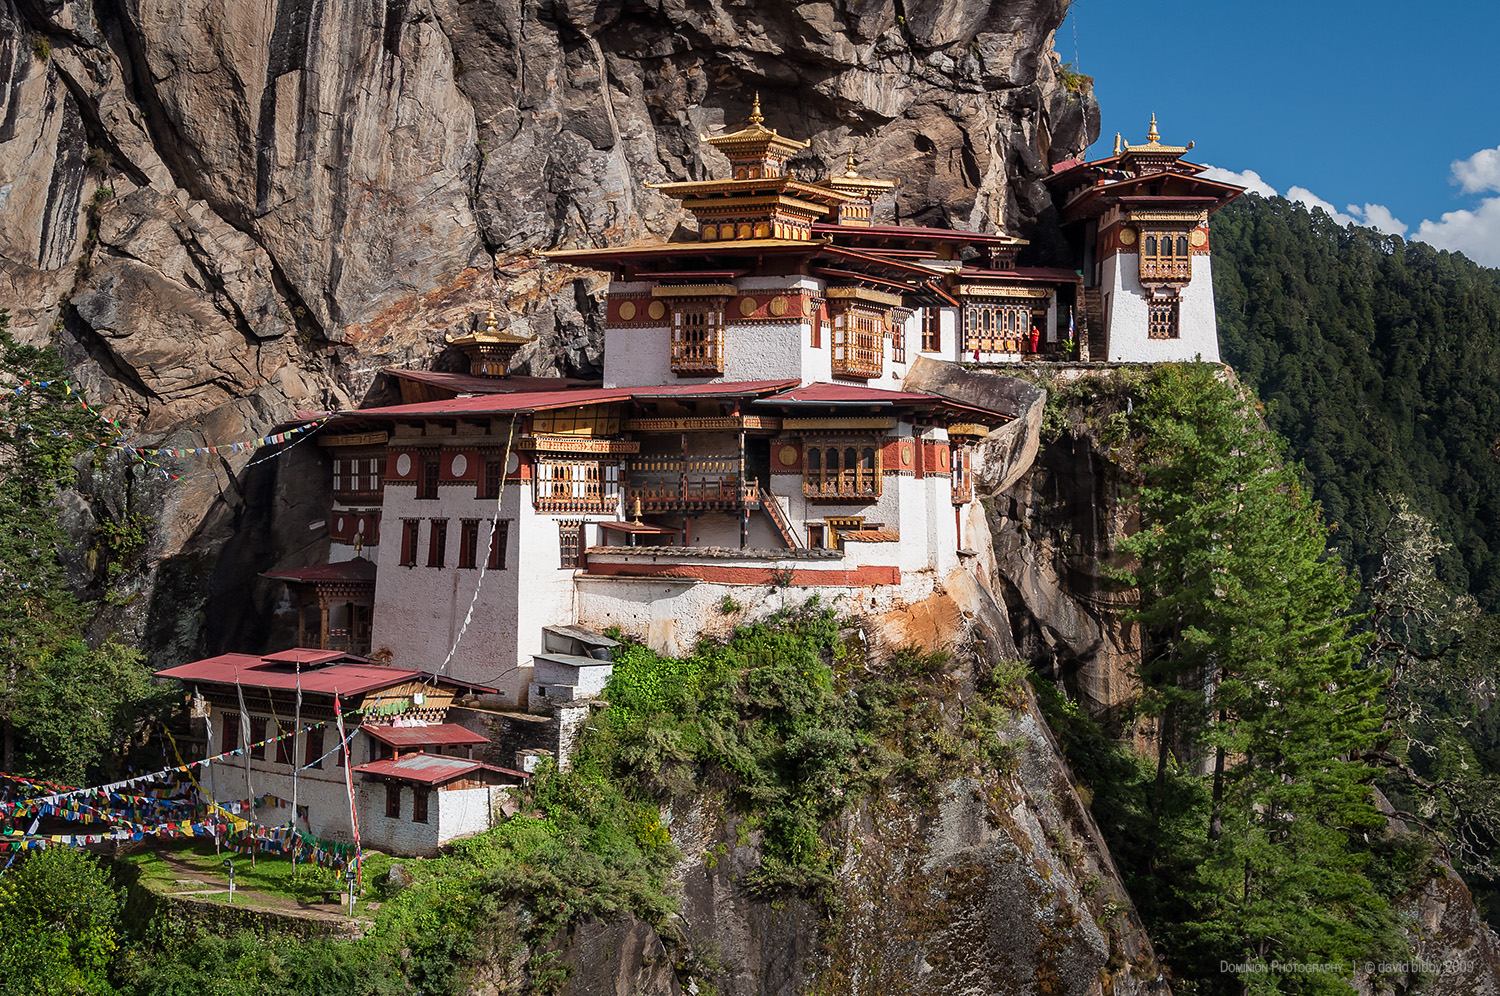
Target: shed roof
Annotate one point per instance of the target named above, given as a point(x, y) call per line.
point(434, 735)
point(357, 570)
point(322, 671)
point(572, 660)
point(431, 769)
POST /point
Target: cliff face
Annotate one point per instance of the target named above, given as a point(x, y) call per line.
point(226, 212)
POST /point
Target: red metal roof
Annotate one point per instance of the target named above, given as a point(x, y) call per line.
point(532, 401)
point(322, 672)
point(913, 232)
point(850, 394)
point(431, 769)
point(1044, 274)
point(462, 383)
point(348, 571)
point(436, 735)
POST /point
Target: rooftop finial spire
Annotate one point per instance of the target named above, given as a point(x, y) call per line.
point(489, 323)
point(1118, 148)
point(755, 115)
point(1153, 135)
point(849, 165)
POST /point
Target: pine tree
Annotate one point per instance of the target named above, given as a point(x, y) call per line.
point(1254, 673)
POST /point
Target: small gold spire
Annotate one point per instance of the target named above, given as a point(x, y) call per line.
point(849, 169)
point(755, 115)
point(1153, 135)
point(489, 324)
point(1118, 149)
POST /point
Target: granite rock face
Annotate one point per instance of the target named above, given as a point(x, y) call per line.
point(229, 212)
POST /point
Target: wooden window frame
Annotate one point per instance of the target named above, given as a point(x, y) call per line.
point(286, 747)
point(579, 485)
point(431, 473)
point(697, 337)
point(961, 473)
point(932, 330)
point(312, 755)
point(1164, 319)
point(419, 797)
point(257, 734)
point(490, 481)
point(826, 475)
point(1166, 257)
point(437, 543)
point(411, 538)
point(231, 739)
point(468, 543)
point(392, 801)
point(499, 544)
point(570, 543)
point(838, 525)
point(995, 326)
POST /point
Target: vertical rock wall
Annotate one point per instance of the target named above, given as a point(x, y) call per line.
point(227, 212)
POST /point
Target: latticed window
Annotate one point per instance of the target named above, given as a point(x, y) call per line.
point(409, 529)
point(838, 526)
point(844, 470)
point(468, 542)
point(962, 476)
point(570, 543)
point(1165, 256)
point(898, 336)
point(489, 484)
point(437, 543)
point(578, 485)
point(932, 330)
point(995, 327)
point(427, 487)
point(499, 535)
point(1162, 319)
point(698, 337)
point(858, 343)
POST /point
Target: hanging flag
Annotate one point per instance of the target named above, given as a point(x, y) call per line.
point(338, 715)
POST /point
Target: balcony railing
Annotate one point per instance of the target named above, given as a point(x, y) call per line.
point(861, 357)
point(1157, 270)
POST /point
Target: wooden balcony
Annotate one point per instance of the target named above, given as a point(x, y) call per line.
point(724, 494)
point(862, 357)
point(1173, 270)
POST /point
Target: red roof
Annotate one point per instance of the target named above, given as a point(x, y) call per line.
point(430, 769)
point(436, 735)
point(912, 232)
point(1045, 274)
point(850, 394)
point(533, 401)
point(356, 570)
point(322, 671)
point(462, 383)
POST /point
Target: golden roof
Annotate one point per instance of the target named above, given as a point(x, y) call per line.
point(488, 336)
point(850, 181)
point(755, 139)
point(1153, 144)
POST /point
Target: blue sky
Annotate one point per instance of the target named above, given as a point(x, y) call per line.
point(1383, 113)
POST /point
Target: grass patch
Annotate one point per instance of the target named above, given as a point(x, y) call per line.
point(168, 871)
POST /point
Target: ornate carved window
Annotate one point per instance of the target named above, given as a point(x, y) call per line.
point(698, 337)
point(494, 473)
point(427, 485)
point(1165, 257)
point(1162, 319)
point(858, 343)
point(995, 327)
point(898, 335)
point(356, 478)
point(962, 476)
point(838, 526)
point(577, 486)
point(847, 470)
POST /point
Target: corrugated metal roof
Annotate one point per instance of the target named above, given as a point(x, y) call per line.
point(531, 401)
point(849, 394)
point(435, 735)
point(463, 383)
point(431, 769)
point(323, 671)
point(357, 570)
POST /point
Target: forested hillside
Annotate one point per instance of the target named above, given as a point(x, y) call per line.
point(1378, 361)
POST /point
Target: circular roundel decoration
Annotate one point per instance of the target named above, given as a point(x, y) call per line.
point(338, 524)
point(656, 309)
point(359, 525)
point(748, 306)
point(403, 465)
point(906, 453)
point(627, 311)
point(460, 464)
point(1199, 238)
point(943, 458)
point(1127, 236)
point(513, 464)
point(778, 305)
point(787, 455)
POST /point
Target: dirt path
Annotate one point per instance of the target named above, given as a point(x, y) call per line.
point(335, 912)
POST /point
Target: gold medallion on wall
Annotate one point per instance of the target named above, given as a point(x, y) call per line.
point(748, 306)
point(1199, 238)
point(627, 311)
point(778, 305)
point(1127, 236)
point(787, 456)
point(656, 310)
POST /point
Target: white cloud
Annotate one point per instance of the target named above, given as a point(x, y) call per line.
point(1475, 233)
point(1478, 173)
point(1312, 200)
point(1378, 217)
point(1249, 179)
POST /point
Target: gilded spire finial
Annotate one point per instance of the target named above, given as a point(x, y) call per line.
point(489, 323)
point(755, 115)
point(849, 169)
point(1153, 135)
point(1118, 148)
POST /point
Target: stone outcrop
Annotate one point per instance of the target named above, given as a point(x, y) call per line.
point(227, 213)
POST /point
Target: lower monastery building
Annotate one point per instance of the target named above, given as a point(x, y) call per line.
point(781, 407)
